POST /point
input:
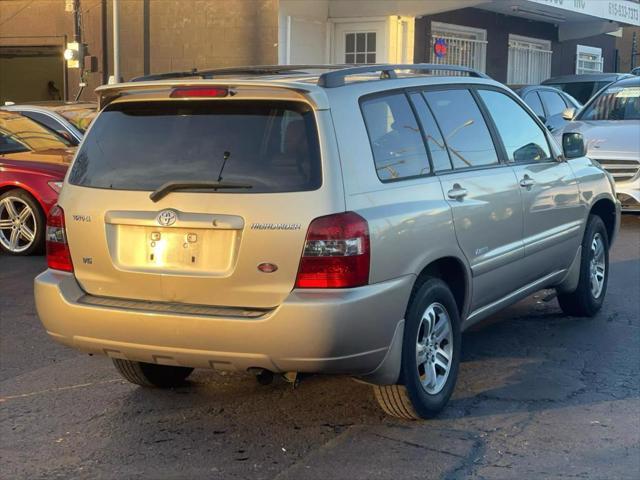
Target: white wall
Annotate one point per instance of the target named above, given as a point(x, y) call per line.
point(308, 22)
point(309, 25)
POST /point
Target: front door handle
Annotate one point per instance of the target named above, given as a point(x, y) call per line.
point(527, 182)
point(457, 192)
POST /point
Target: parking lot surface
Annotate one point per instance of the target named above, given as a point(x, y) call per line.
point(539, 396)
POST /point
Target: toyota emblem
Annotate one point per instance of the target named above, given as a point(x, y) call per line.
point(166, 218)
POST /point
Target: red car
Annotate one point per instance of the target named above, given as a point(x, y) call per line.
point(33, 162)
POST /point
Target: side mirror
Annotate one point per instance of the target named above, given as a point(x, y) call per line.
point(530, 152)
point(573, 145)
point(569, 113)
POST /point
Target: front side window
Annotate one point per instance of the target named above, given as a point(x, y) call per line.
point(463, 127)
point(615, 103)
point(396, 141)
point(524, 141)
point(553, 101)
point(269, 146)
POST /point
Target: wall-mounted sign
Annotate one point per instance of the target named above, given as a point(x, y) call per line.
point(440, 48)
point(623, 11)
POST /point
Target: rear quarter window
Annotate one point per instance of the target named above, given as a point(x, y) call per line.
point(271, 145)
point(395, 137)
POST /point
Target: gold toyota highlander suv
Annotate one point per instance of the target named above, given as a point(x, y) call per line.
point(317, 219)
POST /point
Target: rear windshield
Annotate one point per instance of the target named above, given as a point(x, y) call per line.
point(270, 145)
point(581, 91)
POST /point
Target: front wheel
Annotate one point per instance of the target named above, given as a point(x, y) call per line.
point(587, 299)
point(151, 374)
point(430, 355)
point(22, 223)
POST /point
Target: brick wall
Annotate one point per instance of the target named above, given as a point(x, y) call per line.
point(155, 35)
point(624, 49)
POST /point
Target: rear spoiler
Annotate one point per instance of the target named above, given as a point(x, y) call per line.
point(161, 90)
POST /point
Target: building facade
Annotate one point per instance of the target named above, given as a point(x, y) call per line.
point(514, 41)
point(155, 35)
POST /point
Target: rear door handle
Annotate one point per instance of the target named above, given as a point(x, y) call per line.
point(527, 182)
point(457, 192)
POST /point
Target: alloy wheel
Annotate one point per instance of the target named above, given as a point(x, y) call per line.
point(597, 266)
point(434, 348)
point(18, 227)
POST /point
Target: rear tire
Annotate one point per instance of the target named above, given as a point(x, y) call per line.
point(151, 374)
point(22, 224)
point(430, 355)
point(587, 299)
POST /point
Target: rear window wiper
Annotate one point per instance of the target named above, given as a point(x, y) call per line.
point(175, 185)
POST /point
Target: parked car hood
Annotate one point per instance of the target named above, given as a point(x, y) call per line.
point(607, 138)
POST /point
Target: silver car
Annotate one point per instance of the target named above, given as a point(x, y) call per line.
point(610, 125)
point(331, 220)
point(67, 119)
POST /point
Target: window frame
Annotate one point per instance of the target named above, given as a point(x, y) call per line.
point(355, 52)
point(503, 160)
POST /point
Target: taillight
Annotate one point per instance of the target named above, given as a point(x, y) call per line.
point(58, 254)
point(336, 253)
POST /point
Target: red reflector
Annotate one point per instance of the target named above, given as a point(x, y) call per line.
point(191, 92)
point(336, 253)
point(58, 254)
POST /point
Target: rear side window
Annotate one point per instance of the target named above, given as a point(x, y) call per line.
point(51, 124)
point(270, 145)
point(396, 141)
point(523, 139)
point(553, 101)
point(534, 102)
point(463, 127)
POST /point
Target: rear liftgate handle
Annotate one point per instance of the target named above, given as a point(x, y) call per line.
point(457, 192)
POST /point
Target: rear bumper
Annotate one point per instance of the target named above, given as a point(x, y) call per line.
point(322, 331)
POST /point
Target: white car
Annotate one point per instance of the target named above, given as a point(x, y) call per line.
point(610, 124)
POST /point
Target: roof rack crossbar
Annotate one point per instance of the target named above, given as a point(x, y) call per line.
point(252, 70)
point(337, 78)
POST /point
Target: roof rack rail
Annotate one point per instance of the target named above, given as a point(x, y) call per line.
point(337, 78)
point(251, 70)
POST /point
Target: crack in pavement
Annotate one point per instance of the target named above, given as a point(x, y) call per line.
point(58, 389)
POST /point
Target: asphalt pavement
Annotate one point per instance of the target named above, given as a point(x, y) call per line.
point(539, 396)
